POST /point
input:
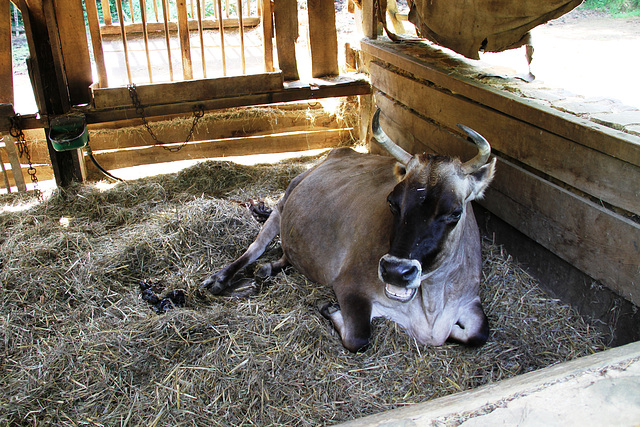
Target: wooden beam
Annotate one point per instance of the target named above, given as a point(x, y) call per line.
point(369, 19)
point(207, 24)
point(286, 26)
point(192, 90)
point(276, 143)
point(185, 44)
point(6, 58)
point(74, 49)
point(267, 34)
point(96, 41)
point(323, 39)
point(295, 91)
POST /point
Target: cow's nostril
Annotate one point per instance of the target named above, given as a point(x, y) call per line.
point(410, 273)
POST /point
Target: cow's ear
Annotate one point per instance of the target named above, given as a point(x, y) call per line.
point(480, 179)
point(400, 171)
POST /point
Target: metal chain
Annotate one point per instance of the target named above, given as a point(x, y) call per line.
point(198, 113)
point(23, 150)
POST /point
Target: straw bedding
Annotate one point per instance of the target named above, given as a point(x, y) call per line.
point(80, 345)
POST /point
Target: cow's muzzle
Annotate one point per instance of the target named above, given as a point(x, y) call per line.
point(401, 277)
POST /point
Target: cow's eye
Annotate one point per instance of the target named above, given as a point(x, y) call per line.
point(395, 209)
point(455, 215)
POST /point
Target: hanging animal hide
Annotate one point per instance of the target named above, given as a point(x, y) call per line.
point(470, 26)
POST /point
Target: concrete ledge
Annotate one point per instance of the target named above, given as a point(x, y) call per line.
point(602, 389)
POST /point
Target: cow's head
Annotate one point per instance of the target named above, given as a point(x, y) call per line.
point(429, 206)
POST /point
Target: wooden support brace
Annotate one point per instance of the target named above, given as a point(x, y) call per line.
point(323, 39)
point(267, 34)
point(286, 23)
point(185, 44)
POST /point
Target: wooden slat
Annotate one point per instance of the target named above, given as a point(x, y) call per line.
point(194, 90)
point(298, 92)
point(201, 36)
point(145, 36)
point(369, 19)
point(6, 61)
point(277, 143)
point(75, 50)
point(425, 62)
point(323, 41)
point(207, 24)
point(185, 44)
point(604, 245)
point(286, 27)
point(221, 26)
point(267, 34)
point(96, 42)
point(241, 27)
point(106, 12)
point(123, 34)
point(607, 178)
point(167, 37)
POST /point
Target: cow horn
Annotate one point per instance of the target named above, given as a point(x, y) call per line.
point(484, 150)
point(394, 149)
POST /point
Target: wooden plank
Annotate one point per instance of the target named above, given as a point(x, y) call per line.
point(106, 12)
point(123, 34)
point(369, 19)
point(43, 172)
point(588, 170)
point(207, 24)
point(604, 245)
point(267, 34)
point(341, 86)
point(53, 70)
point(185, 44)
point(221, 26)
point(427, 63)
point(193, 90)
point(6, 60)
point(75, 50)
point(323, 38)
point(286, 27)
point(277, 143)
point(96, 42)
point(14, 159)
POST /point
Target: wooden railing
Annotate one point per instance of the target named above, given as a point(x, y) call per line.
point(155, 20)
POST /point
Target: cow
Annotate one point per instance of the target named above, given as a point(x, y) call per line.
point(394, 237)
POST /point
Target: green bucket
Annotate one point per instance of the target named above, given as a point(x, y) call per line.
point(69, 132)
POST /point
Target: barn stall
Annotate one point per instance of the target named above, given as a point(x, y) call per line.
point(86, 342)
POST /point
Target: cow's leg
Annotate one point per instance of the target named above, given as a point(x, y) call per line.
point(272, 268)
point(220, 280)
point(352, 320)
point(472, 327)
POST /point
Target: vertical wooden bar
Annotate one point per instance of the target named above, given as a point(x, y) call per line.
point(14, 159)
point(369, 19)
point(226, 7)
point(123, 33)
point(145, 35)
point(185, 44)
point(286, 25)
point(155, 10)
point(323, 39)
point(96, 42)
point(241, 26)
point(200, 33)
point(106, 12)
point(224, 59)
point(165, 18)
point(133, 18)
point(6, 58)
point(267, 34)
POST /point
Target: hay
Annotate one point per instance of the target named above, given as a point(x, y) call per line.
point(80, 345)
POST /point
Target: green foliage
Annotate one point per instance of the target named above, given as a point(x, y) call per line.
point(615, 7)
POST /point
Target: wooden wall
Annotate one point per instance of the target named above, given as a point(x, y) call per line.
point(570, 185)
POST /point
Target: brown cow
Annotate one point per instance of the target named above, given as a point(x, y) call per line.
point(397, 240)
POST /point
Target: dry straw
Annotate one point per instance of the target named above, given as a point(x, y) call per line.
point(79, 345)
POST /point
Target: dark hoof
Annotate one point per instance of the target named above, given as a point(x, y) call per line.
point(216, 283)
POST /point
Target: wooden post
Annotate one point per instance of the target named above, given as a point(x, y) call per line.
point(369, 19)
point(145, 34)
point(165, 18)
point(123, 33)
point(200, 33)
point(221, 28)
point(241, 27)
point(185, 44)
point(6, 61)
point(106, 12)
point(267, 34)
point(286, 23)
point(41, 27)
point(323, 39)
point(96, 41)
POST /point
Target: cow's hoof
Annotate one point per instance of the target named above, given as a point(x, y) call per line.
point(329, 309)
point(264, 271)
point(216, 283)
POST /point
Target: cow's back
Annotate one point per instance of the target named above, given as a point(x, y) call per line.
point(336, 209)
